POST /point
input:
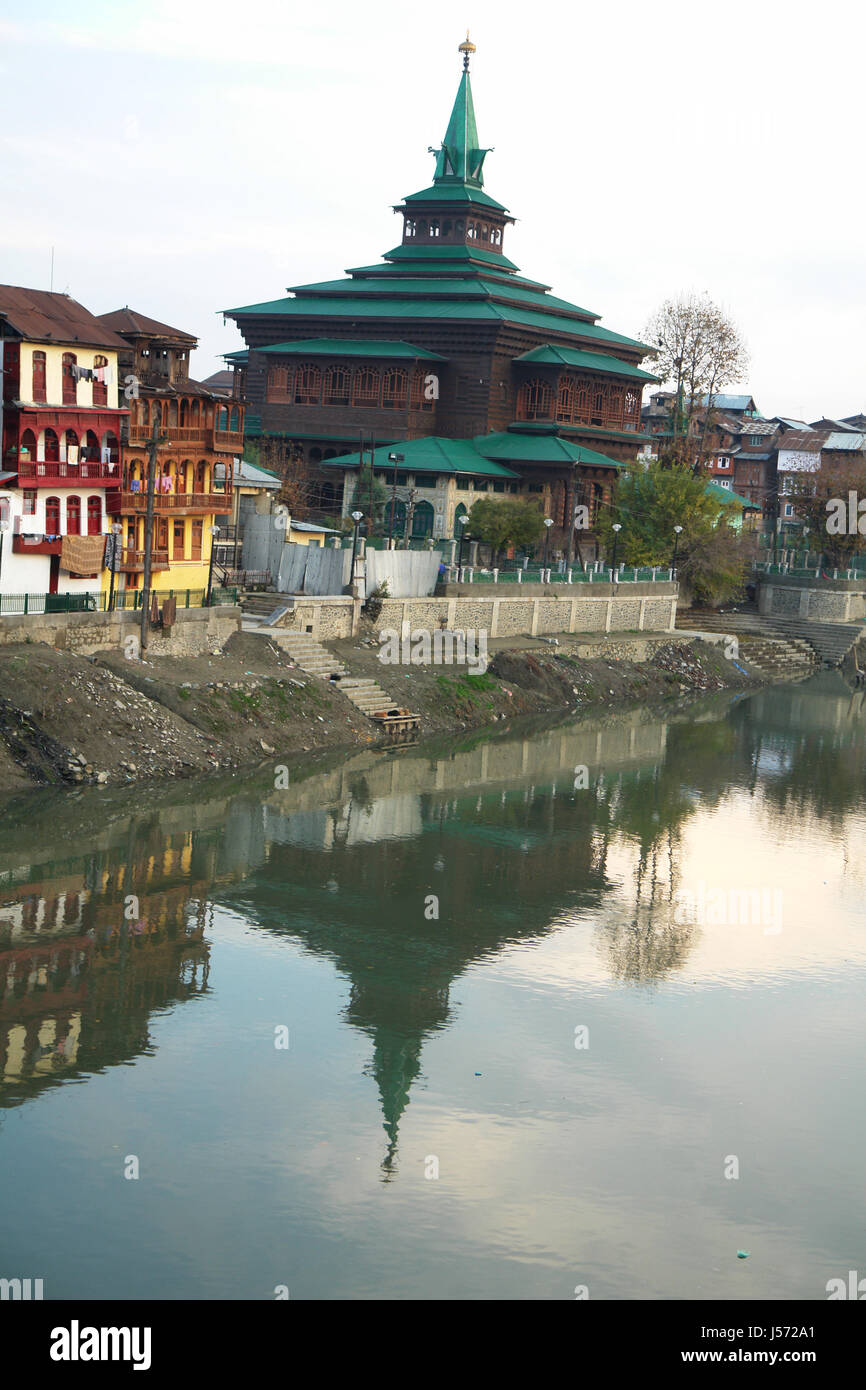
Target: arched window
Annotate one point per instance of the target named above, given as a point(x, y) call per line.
point(109, 452)
point(90, 451)
point(223, 418)
point(279, 384)
point(52, 447)
point(410, 228)
point(27, 448)
point(39, 376)
point(69, 447)
point(536, 400)
point(597, 416)
point(73, 516)
point(195, 415)
point(70, 382)
point(233, 418)
point(434, 228)
point(184, 414)
point(459, 510)
point(201, 476)
point(94, 516)
point(422, 521)
point(632, 410)
point(308, 384)
point(395, 387)
point(172, 414)
point(565, 399)
point(581, 404)
point(100, 387)
point(338, 385)
point(366, 387)
point(52, 516)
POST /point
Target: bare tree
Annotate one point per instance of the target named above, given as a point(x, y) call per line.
point(698, 352)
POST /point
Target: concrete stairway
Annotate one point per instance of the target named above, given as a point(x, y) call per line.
point(829, 642)
point(311, 656)
point(776, 656)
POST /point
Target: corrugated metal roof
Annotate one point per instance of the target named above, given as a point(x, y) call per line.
point(45, 317)
point(133, 324)
point(845, 440)
point(539, 448)
point(254, 476)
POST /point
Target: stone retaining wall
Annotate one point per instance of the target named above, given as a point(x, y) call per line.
point(822, 600)
point(611, 610)
point(197, 630)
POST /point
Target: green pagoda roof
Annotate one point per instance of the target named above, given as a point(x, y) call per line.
point(431, 455)
point(404, 252)
point(351, 347)
point(552, 354)
point(724, 494)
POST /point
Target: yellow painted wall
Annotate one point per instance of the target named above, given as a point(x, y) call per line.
point(304, 537)
point(54, 372)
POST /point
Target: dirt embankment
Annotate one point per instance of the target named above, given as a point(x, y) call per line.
point(67, 720)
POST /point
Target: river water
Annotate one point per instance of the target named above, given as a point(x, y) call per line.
point(553, 1009)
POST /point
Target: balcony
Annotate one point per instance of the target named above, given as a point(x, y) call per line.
point(177, 503)
point(51, 473)
point(202, 436)
point(132, 561)
point(228, 439)
point(36, 544)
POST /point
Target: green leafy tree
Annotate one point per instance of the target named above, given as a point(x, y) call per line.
point(650, 502)
point(371, 500)
point(506, 522)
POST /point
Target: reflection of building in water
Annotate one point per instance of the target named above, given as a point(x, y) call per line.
point(89, 950)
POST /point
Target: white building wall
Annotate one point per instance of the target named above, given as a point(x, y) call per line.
point(29, 574)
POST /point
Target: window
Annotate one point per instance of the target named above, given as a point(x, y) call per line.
point(395, 387)
point(366, 387)
point(338, 385)
point(94, 516)
point(308, 384)
point(197, 534)
point(70, 382)
point(536, 401)
point(52, 447)
point(39, 376)
point(755, 440)
point(724, 482)
point(565, 399)
point(723, 462)
point(100, 389)
point(73, 516)
point(279, 384)
point(178, 540)
point(27, 448)
point(52, 516)
point(29, 508)
point(422, 521)
point(597, 416)
point(789, 510)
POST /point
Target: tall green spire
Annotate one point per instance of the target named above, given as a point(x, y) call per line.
point(460, 160)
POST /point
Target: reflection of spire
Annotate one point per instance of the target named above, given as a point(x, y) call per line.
point(395, 1065)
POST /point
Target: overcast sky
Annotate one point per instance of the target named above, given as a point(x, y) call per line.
point(189, 157)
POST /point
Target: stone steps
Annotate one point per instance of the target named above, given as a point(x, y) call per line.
point(829, 643)
point(311, 656)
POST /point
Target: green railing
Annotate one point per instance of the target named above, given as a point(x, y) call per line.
point(518, 577)
point(129, 600)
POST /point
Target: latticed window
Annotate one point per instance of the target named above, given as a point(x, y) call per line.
point(581, 404)
point(394, 388)
point(632, 410)
point(597, 417)
point(615, 404)
point(338, 385)
point(419, 397)
point(536, 400)
point(308, 384)
point(279, 384)
point(366, 387)
point(565, 399)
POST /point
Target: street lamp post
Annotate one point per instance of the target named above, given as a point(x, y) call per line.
point(214, 532)
point(395, 459)
point(616, 530)
point(548, 522)
point(677, 530)
point(462, 522)
point(116, 533)
point(357, 517)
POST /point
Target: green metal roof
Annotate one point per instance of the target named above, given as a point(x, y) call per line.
point(242, 355)
point(357, 308)
point(431, 455)
point(551, 354)
point(455, 193)
point(351, 347)
point(460, 159)
point(539, 448)
point(477, 286)
point(724, 494)
point(404, 252)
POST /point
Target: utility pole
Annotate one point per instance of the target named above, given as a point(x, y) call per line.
point(153, 444)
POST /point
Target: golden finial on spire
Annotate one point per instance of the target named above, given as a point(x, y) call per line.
point(466, 48)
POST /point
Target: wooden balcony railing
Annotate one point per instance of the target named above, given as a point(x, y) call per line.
point(175, 502)
point(50, 470)
point(134, 560)
point(35, 544)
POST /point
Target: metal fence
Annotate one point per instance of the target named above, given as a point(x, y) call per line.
point(592, 575)
point(129, 600)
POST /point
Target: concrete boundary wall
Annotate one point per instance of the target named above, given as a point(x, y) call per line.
point(196, 631)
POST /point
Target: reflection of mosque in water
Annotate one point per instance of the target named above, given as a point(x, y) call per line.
point(499, 829)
